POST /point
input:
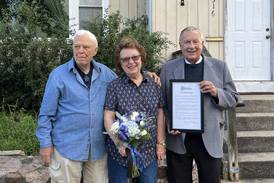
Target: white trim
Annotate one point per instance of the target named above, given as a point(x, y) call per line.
point(272, 38)
point(74, 21)
point(255, 86)
point(149, 14)
point(90, 6)
point(73, 17)
point(258, 85)
point(105, 7)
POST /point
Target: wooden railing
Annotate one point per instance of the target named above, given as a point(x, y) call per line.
point(230, 163)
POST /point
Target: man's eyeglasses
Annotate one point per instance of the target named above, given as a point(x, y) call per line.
point(127, 59)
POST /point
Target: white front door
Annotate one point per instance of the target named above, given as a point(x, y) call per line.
point(247, 41)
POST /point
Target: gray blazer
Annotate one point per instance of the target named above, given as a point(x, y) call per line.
point(217, 72)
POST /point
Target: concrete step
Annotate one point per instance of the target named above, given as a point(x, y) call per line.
point(255, 121)
point(251, 181)
point(257, 103)
point(256, 165)
point(255, 137)
point(255, 141)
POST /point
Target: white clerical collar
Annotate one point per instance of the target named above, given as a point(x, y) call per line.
point(199, 61)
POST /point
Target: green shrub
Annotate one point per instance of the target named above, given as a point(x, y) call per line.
point(41, 18)
point(26, 61)
point(17, 132)
point(27, 54)
point(112, 28)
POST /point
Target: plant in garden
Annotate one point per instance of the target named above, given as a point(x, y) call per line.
point(17, 131)
point(26, 59)
point(113, 27)
point(34, 44)
point(25, 63)
point(41, 18)
point(27, 54)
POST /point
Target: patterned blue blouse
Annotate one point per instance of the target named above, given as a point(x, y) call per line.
point(124, 97)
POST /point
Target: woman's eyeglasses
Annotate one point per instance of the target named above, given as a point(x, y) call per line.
point(127, 59)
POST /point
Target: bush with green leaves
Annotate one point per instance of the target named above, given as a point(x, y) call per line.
point(32, 42)
point(26, 60)
point(17, 132)
point(25, 63)
point(41, 18)
point(28, 54)
point(113, 27)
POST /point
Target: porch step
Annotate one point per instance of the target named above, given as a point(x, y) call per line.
point(255, 141)
point(257, 103)
point(256, 165)
point(255, 121)
point(251, 181)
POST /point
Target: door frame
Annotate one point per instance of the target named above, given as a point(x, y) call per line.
point(256, 85)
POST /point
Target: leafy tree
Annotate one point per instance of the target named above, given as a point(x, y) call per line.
point(3, 6)
point(27, 54)
point(25, 63)
point(42, 18)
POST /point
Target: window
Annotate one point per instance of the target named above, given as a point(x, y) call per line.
point(82, 12)
point(89, 10)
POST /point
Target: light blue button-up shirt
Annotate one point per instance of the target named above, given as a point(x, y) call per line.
point(71, 114)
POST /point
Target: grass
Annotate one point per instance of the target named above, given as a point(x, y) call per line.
point(17, 132)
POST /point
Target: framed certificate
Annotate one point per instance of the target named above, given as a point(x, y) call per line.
point(187, 106)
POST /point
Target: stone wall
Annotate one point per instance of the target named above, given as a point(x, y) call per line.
point(15, 167)
point(22, 169)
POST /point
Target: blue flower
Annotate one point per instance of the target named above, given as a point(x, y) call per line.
point(123, 132)
point(131, 129)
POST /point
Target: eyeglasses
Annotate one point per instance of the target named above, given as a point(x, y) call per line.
point(127, 59)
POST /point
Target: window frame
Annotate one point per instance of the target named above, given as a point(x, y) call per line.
point(74, 20)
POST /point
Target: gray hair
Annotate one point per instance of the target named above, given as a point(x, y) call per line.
point(91, 36)
point(190, 29)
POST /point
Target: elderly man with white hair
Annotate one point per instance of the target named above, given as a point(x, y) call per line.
point(219, 95)
point(70, 122)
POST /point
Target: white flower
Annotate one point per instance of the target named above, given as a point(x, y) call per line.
point(143, 133)
point(133, 128)
point(133, 132)
point(114, 127)
point(134, 115)
point(122, 118)
point(142, 123)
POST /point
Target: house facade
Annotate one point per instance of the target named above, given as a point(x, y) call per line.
point(237, 31)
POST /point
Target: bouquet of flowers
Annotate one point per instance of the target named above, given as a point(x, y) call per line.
point(131, 130)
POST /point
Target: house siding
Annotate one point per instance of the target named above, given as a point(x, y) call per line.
point(128, 8)
point(170, 17)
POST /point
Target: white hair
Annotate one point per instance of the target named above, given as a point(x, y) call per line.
point(190, 29)
point(91, 36)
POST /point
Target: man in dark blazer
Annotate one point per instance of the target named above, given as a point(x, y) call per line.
point(219, 94)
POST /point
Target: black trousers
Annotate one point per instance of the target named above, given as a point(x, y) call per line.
point(179, 166)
